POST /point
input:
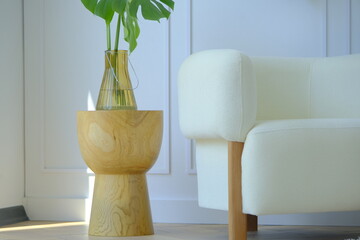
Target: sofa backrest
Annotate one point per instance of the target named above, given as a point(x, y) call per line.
point(289, 88)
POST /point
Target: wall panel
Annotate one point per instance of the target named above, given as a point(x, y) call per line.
point(338, 27)
point(260, 27)
point(64, 61)
point(355, 23)
point(11, 104)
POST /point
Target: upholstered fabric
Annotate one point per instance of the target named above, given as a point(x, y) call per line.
point(293, 88)
point(212, 173)
point(289, 166)
point(217, 96)
point(283, 87)
point(299, 166)
point(335, 88)
point(303, 155)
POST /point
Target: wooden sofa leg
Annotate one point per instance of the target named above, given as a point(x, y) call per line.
point(252, 223)
point(237, 220)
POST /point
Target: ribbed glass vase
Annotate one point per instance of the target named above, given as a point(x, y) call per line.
point(116, 91)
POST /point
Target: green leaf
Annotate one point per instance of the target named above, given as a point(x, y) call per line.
point(126, 32)
point(131, 31)
point(104, 10)
point(151, 9)
point(128, 10)
point(134, 7)
point(90, 4)
point(119, 6)
point(169, 3)
point(163, 10)
point(136, 29)
point(150, 12)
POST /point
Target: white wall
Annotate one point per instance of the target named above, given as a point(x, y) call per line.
point(63, 69)
point(64, 62)
point(305, 28)
point(11, 104)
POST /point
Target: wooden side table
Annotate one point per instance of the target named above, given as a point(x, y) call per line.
point(120, 147)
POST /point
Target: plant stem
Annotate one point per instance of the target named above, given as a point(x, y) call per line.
point(117, 33)
point(108, 36)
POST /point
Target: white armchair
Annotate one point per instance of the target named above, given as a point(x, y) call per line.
point(284, 131)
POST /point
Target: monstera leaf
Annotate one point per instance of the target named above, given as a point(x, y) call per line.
point(119, 6)
point(101, 8)
point(131, 31)
point(151, 9)
point(128, 10)
point(90, 4)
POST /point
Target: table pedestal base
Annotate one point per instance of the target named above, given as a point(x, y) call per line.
point(120, 206)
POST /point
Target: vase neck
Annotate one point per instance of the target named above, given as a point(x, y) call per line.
point(118, 59)
point(116, 91)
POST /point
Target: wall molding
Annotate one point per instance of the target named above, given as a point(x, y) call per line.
point(189, 20)
point(349, 3)
point(190, 160)
point(163, 165)
point(325, 29)
point(338, 27)
point(354, 29)
point(349, 13)
point(190, 165)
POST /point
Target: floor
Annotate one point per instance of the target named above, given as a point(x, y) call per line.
point(33, 230)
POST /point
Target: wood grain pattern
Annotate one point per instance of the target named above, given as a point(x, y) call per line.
point(237, 220)
point(117, 142)
point(120, 206)
point(120, 147)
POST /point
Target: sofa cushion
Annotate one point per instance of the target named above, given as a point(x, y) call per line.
point(300, 166)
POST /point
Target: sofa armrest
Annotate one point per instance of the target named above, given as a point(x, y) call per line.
point(217, 95)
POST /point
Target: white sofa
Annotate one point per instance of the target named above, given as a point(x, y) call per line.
point(299, 120)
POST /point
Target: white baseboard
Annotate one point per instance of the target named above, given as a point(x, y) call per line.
point(177, 211)
point(314, 219)
point(163, 211)
point(185, 211)
point(55, 209)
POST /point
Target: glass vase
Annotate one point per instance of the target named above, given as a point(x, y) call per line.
point(116, 91)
